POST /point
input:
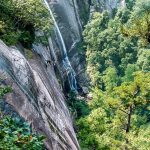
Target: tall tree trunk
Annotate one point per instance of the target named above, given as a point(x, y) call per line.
point(129, 119)
point(128, 125)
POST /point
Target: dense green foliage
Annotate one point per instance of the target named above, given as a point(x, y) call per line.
point(20, 19)
point(139, 22)
point(107, 47)
point(15, 133)
point(4, 90)
point(118, 117)
point(78, 107)
point(118, 64)
point(117, 43)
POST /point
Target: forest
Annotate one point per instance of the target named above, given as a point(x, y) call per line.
point(116, 47)
point(118, 63)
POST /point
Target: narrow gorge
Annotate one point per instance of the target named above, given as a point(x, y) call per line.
point(71, 49)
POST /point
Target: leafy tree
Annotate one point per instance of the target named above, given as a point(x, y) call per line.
point(144, 59)
point(107, 47)
point(27, 12)
point(110, 78)
point(129, 71)
point(20, 19)
point(141, 141)
point(4, 90)
point(117, 117)
point(139, 23)
point(78, 107)
point(130, 3)
point(16, 134)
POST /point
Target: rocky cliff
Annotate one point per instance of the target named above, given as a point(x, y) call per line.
point(37, 97)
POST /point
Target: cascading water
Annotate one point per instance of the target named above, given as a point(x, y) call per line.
point(66, 63)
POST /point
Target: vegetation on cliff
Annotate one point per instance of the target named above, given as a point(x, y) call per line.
point(15, 133)
point(20, 19)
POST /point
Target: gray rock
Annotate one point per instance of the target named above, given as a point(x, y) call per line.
point(37, 97)
point(85, 90)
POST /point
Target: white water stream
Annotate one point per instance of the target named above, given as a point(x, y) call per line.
point(66, 63)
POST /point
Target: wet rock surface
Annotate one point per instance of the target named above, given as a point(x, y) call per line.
point(67, 15)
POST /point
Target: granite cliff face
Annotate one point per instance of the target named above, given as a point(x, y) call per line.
point(37, 97)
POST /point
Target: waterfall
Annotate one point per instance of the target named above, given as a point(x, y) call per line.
point(66, 63)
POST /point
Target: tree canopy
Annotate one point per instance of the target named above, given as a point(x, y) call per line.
point(117, 54)
point(19, 19)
